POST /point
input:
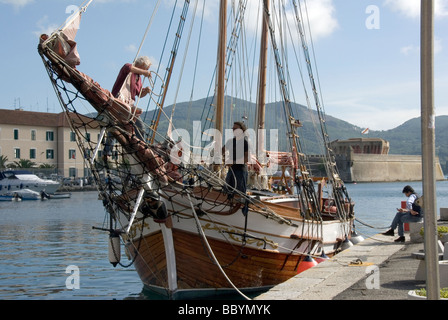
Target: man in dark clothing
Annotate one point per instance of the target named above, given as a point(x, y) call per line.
point(239, 156)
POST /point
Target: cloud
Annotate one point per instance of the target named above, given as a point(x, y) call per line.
point(408, 50)
point(366, 114)
point(131, 48)
point(376, 106)
point(45, 27)
point(17, 4)
point(411, 49)
point(411, 8)
point(321, 15)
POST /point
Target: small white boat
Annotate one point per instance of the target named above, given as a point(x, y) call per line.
point(6, 198)
point(25, 194)
point(59, 196)
point(16, 180)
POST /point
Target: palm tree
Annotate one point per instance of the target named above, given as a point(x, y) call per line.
point(3, 160)
point(24, 163)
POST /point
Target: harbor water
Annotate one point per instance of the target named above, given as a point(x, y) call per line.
point(49, 250)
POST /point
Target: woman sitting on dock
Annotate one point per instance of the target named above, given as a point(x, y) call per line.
point(411, 213)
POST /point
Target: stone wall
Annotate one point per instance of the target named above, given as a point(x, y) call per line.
point(382, 168)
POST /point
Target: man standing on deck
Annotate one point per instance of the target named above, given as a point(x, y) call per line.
point(239, 157)
point(412, 213)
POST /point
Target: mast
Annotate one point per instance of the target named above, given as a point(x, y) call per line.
point(169, 70)
point(261, 104)
point(428, 148)
point(291, 122)
point(219, 124)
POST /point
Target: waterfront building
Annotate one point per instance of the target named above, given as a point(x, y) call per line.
point(360, 146)
point(45, 139)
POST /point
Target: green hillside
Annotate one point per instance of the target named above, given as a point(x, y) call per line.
point(404, 139)
point(186, 113)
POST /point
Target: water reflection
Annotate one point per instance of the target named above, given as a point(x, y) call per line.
point(40, 239)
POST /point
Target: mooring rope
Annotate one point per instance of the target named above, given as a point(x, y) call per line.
point(211, 251)
point(369, 225)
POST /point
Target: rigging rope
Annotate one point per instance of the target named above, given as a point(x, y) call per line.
point(182, 70)
point(196, 63)
point(147, 29)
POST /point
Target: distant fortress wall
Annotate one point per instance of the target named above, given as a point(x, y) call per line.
point(367, 160)
point(383, 168)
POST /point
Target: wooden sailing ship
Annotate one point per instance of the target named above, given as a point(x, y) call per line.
point(182, 226)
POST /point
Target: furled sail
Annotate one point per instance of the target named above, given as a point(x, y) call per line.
point(64, 43)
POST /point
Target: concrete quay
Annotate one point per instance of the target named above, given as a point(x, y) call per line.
point(374, 269)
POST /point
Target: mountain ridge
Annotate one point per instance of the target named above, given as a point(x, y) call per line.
point(404, 139)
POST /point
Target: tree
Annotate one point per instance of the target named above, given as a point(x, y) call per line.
point(3, 160)
point(24, 163)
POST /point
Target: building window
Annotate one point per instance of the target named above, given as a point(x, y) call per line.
point(72, 137)
point(16, 134)
point(17, 153)
point(33, 135)
point(72, 154)
point(50, 154)
point(87, 137)
point(72, 172)
point(32, 153)
point(50, 136)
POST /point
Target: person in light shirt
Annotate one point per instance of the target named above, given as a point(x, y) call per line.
point(128, 87)
point(412, 213)
point(135, 87)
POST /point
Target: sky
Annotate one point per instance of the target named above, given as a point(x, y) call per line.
point(367, 51)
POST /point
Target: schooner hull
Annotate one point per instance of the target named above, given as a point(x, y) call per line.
point(247, 268)
point(272, 254)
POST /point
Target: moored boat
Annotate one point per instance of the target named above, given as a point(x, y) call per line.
point(186, 230)
point(4, 197)
point(24, 194)
point(60, 195)
point(16, 180)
